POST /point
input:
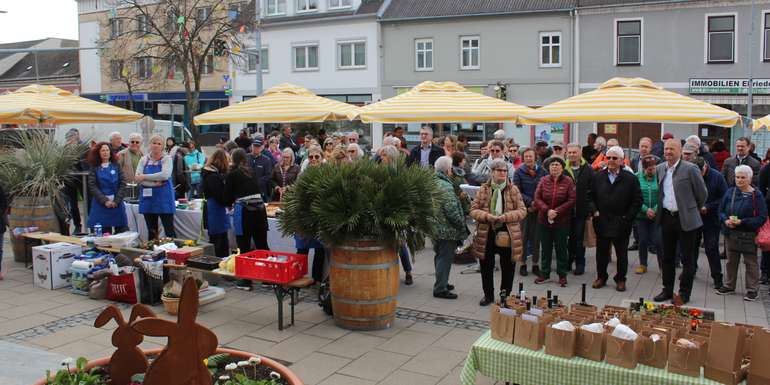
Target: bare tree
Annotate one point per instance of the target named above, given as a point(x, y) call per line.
point(127, 69)
point(181, 38)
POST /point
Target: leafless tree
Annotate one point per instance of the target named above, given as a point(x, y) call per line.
point(169, 38)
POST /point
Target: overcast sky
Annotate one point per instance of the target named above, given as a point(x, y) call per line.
point(37, 19)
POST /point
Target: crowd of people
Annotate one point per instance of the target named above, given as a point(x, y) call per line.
point(533, 205)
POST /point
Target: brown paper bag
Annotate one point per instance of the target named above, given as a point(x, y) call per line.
point(759, 374)
point(621, 352)
point(653, 353)
point(560, 343)
point(582, 307)
point(501, 325)
point(589, 239)
point(590, 345)
point(528, 334)
point(725, 353)
point(683, 360)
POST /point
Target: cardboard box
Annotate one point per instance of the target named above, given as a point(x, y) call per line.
point(51, 264)
point(759, 374)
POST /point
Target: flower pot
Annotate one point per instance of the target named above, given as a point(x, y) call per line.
point(364, 279)
point(170, 304)
point(285, 372)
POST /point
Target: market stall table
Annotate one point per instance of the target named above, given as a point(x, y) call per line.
point(516, 365)
point(56, 237)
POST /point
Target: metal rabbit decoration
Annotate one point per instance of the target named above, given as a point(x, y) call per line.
point(128, 359)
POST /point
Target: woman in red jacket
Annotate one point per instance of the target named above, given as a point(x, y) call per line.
point(554, 201)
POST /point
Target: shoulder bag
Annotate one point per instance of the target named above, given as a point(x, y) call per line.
point(743, 241)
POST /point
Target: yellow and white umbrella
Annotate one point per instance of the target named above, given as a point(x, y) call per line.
point(756, 124)
point(632, 100)
point(440, 102)
point(47, 104)
point(284, 103)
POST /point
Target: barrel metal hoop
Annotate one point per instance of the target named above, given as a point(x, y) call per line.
point(364, 319)
point(351, 301)
point(378, 266)
point(360, 248)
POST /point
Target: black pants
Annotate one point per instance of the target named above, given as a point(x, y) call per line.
point(221, 244)
point(673, 234)
point(577, 252)
point(711, 244)
point(71, 195)
point(507, 267)
point(114, 230)
point(254, 230)
point(319, 258)
point(603, 244)
point(152, 225)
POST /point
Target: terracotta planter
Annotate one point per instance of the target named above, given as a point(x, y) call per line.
point(285, 372)
point(171, 305)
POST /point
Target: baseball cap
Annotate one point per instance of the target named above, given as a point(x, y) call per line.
point(258, 142)
point(689, 148)
point(557, 143)
point(668, 135)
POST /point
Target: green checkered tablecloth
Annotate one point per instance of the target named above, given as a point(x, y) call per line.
point(517, 365)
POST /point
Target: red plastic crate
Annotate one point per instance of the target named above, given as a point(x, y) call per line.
point(257, 265)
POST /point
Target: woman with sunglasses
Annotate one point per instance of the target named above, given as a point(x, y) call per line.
point(499, 209)
point(329, 145)
point(303, 245)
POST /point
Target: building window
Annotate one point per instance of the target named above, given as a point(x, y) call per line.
point(234, 11)
point(202, 14)
point(469, 53)
point(265, 61)
point(550, 49)
point(116, 27)
point(628, 42)
point(171, 22)
point(144, 67)
point(116, 69)
point(423, 50)
point(276, 7)
point(307, 5)
point(208, 65)
point(352, 54)
point(143, 24)
point(766, 37)
point(305, 57)
point(721, 39)
point(335, 4)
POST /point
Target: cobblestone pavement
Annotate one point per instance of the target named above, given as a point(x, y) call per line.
point(426, 345)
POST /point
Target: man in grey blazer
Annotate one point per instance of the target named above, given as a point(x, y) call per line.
point(682, 193)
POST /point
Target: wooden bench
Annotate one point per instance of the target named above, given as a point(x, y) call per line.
point(281, 290)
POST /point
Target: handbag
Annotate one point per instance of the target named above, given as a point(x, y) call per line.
point(763, 236)
point(502, 238)
point(742, 241)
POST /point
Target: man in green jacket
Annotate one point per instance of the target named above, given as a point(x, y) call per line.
point(450, 229)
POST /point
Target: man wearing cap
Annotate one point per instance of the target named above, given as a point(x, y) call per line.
point(690, 152)
point(558, 149)
point(425, 154)
point(261, 167)
point(702, 152)
point(682, 194)
point(542, 151)
point(657, 148)
point(709, 213)
point(742, 156)
point(617, 197)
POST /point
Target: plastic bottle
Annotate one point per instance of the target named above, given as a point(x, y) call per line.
point(98, 230)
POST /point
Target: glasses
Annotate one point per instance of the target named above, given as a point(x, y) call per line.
point(352, 151)
point(500, 170)
point(135, 142)
point(612, 158)
point(314, 157)
point(495, 151)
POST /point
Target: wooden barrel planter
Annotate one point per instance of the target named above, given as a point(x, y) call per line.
point(27, 212)
point(364, 280)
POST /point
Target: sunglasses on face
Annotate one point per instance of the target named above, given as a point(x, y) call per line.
point(612, 158)
point(135, 142)
point(501, 170)
point(495, 151)
point(314, 157)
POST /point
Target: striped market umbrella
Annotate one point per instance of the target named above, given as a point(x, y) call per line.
point(35, 104)
point(632, 100)
point(763, 122)
point(440, 102)
point(284, 103)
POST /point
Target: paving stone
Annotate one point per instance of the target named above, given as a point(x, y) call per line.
point(327, 329)
point(402, 377)
point(66, 336)
point(398, 325)
point(458, 339)
point(375, 365)
point(233, 330)
point(434, 361)
point(296, 347)
point(271, 332)
point(408, 342)
point(250, 344)
point(318, 366)
point(353, 345)
point(28, 363)
point(22, 323)
point(30, 308)
point(338, 379)
point(80, 348)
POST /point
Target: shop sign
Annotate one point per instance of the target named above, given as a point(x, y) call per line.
point(719, 86)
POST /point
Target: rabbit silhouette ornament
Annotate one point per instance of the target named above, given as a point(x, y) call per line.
point(181, 361)
point(128, 359)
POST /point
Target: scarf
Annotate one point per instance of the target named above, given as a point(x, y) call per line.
point(569, 168)
point(497, 196)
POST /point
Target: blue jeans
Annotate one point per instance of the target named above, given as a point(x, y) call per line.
point(195, 191)
point(403, 253)
point(649, 235)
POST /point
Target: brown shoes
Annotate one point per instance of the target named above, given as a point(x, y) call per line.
point(621, 286)
point(599, 283)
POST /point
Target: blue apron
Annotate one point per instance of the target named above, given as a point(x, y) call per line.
point(160, 199)
point(218, 221)
point(107, 181)
point(238, 219)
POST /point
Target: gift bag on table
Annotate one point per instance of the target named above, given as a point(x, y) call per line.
point(123, 287)
point(621, 352)
point(759, 373)
point(725, 353)
point(502, 324)
point(591, 344)
point(653, 349)
point(529, 332)
point(560, 343)
point(684, 357)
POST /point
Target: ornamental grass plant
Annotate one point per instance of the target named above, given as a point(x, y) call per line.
point(341, 203)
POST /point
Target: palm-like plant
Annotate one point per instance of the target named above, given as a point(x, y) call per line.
point(37, 166)
point(363, 200)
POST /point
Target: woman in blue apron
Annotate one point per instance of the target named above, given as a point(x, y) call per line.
point(249, 216)
point(156, 200)
point(216, 219)
point(107, 186)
